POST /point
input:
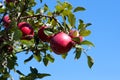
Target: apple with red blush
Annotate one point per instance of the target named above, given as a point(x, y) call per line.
point(61, 43)
point(42, 36)
point(27, 30)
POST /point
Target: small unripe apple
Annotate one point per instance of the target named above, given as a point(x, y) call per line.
point(6, 21)
point(27, 30)
point(43, 37)
point(74, 33)
point(61, 43)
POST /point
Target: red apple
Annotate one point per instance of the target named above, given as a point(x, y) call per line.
point(61, 43)
point(43, 37)
point(6, 21)
point(27, 30)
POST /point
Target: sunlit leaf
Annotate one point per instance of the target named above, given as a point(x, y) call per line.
point(2, 10)
point(88, 43)
point(85, 32)
point(64, 55)
point(71, 19)
point(38, 57)
point(50, 58)
point(45, 61)
point(79, 9)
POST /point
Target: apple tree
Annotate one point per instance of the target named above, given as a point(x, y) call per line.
point(41, 31)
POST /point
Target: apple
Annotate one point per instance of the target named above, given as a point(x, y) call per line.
point(27, 30)
point(6, 21)
point(42, 36)
point(75, 34)
point(61, 43)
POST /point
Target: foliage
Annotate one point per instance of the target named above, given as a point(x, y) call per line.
point(61, 18)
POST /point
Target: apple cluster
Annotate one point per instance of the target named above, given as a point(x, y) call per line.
point(60, 42)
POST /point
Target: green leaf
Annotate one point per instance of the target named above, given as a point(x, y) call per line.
point(64, 55)
point(48, 31)
point(29, 59)
point(2, 10)
point(85, 32)
point(50, 58)
point(88, 43)
point(42, 75)
point(79, 9)
point(41, 1)
point(31, 12)
point(78, 53)
point(76, 39)
point(45, 7)
point(33, 70)
point(71, 19)
point(88, 24)
point(81, 24)
point(38, 57)
point(90, 61)
point(45, 61)
point(17, 34)
point(20, 73)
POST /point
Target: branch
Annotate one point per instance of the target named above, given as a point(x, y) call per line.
point(41, 15)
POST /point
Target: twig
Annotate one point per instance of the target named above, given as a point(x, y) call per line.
point(41, 15)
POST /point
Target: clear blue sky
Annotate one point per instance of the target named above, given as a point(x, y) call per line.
point(104, 16)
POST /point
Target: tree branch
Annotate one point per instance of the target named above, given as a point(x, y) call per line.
point(41, 15)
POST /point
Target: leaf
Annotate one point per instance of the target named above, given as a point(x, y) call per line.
point(71, 19)
point(88, 43)
point(79, 9)
point(64, 55)
point(37, 57)
point(90, 61)
point(76, 39)
point(33, 70)
point(88, 24)
point(2, 10)
point(42, 75)
point(85, 32)
point(45, 7)
point(29, 59)
point(50, 58)
point(41, 1)
point(48, 32)
point(81, 24)
point(17, 34)
point(45, 61)
point(78, 53)
point(19, 72)
point(30, 13)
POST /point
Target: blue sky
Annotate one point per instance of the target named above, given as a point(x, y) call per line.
point(104, 16)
